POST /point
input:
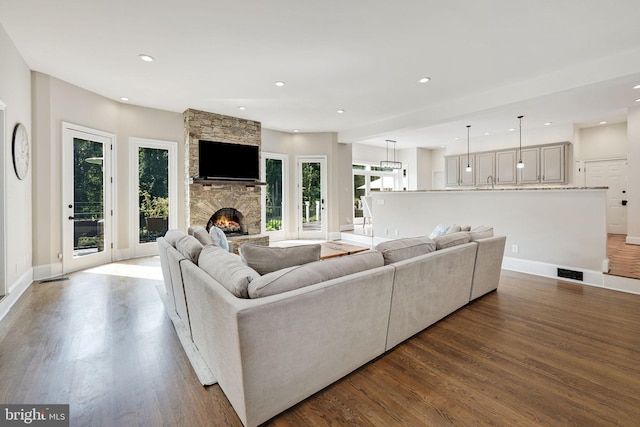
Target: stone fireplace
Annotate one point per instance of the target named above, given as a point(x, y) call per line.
point(229, 220)
point(206, 198)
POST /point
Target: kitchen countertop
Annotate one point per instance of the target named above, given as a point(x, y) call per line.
point(494, 189)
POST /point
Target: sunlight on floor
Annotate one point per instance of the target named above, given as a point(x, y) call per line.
point(143, 268)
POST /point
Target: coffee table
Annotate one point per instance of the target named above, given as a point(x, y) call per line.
point(335, 249)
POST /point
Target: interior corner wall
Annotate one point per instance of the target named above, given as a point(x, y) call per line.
point(15, 94)
point(55, 102)
point(633, 175)
point(345, 187)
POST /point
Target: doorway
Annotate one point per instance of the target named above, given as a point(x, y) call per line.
point(87, 197)
point(154, 206)
point(312, 196)
point(3, 240)
point(274, 196)
point(612, 174)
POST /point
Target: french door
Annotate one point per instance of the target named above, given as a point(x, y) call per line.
point(87, 215)
point(153, 201)
point(274, 195)
point(312, 197)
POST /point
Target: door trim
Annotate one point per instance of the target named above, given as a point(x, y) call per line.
point(277, 235)
point(68, 129)
point(3, 187)
point(146, 249)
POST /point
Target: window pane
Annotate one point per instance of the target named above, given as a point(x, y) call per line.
point(273, 194)
point(153, 193)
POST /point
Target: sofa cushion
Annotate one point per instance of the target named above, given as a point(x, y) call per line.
point(227, 269)
point(451, 240)
point(265, 259)
point(300, 276)
point(438, 231)
point(454, 228)
point(465, 228)
point(190, 248)
point(401, 249)
point(481, 232)
point(219, 238)
point(201, 234)
point(173, 236)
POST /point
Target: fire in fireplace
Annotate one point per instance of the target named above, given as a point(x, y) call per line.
point(229, 220)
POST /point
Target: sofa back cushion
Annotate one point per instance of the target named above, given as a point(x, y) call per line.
point(227, 269)
point(190, 248)
point(401, 249)
point(173, 236)
point(300, 276)
point(265, 259)
point(451, 240)
point(201, 234)
point(481, 232)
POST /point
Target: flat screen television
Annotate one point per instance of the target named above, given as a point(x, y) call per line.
point(225, 161)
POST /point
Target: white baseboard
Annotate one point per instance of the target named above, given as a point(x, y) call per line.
point(622, 284)
point(48, 271)
point(590, 277)
point(633, 240)
point(15, 291)
point(346, 227)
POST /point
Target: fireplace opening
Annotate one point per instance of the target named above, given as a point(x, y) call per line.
point(229, 220)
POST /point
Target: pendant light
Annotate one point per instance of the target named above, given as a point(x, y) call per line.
point(391, 164)
point(468, 169)
point(520, 164)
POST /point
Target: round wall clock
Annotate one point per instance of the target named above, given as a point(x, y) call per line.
point(20, 150)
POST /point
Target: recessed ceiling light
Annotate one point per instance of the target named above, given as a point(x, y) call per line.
point(547, 124)
point(636, 87)
point(146, 58)
point(456, 138)
point(242, 108)
point(124, 98)
point(296, 130)
point(512, 129)
point(443, 146)
point(340, 111)
point(638, 100)
point(280, 83)
point(425, 80)
point(603, 122)
point(487, 133)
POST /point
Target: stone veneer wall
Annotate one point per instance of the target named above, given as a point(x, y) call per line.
point(204, 200)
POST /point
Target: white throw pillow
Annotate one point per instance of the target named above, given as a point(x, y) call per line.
point(219, 238)
point(440, 230)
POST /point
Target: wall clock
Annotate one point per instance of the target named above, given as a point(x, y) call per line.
point(20, 150)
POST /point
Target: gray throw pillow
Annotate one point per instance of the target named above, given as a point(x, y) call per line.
point(292, 278)
point(401, 249)
point(481, 232)
point(265, 259)
point(190, 248)
point(201, 234)
point(173, 236)
point(453, 229)
point(227, 269)
point(451, 240)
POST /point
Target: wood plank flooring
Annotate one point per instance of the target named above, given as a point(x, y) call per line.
point(624, 259)
point(538, 352)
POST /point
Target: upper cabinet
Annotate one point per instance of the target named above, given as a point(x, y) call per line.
point(543, 164)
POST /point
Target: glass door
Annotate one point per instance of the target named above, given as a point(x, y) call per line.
point(312, 221)
point(274, 167)
point(87, 212)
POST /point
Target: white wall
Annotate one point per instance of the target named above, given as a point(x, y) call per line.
point(556, 227)
point(603, 142)
point(17, 241)
point(56, 101)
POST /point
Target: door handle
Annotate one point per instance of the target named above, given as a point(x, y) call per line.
point(71, 218)
point(624, 203)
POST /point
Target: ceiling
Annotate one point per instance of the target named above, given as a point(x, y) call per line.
point(570, 62)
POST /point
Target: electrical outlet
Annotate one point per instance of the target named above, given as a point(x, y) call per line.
point(515, 249)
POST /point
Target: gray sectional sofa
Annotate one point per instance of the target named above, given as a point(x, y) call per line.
point(275, 339)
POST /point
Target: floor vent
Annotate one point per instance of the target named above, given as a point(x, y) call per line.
point(570, 274)
point(56, 279)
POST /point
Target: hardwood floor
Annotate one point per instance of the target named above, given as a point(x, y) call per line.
point(624, 259)
point(536, 352)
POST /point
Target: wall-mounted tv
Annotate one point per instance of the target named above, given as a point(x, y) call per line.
point(226, 161)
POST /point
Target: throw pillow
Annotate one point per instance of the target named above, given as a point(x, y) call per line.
point(190, 248)
point(309, 274)
point(227, 269)
point(265, 259)
point(201, 234)
point(173, 236)
point(438, 231)
point(481, 232)
point(451, 240)
point(453, 229)
point(219, 238)
point(401, 249)
point(465, 228)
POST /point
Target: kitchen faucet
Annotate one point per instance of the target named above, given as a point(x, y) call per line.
point(490, 180)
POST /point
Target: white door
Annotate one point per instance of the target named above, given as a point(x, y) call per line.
point(3, 241)
point(274, 195)
point(312, 197)
point(154, 193)
point(612, 174)
point(87, 214)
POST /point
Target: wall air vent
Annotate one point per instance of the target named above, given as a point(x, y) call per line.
point(570, 274)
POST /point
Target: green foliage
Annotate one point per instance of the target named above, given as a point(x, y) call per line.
point(274, 225)
point(154, 207)
point(88, 194)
